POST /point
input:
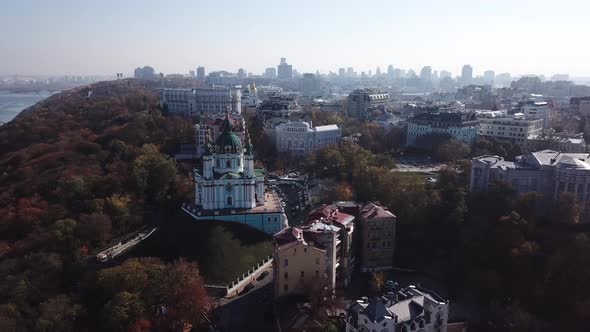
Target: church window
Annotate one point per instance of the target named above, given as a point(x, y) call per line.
point(229, 200)
point(228, 164)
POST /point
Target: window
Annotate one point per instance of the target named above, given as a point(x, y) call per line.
point(317, 273)
point(286, 275)
point(229, 200)
point(302, 274)
point(228, 164)
point(286, 262)
point(286, 287)
point(294, 251)
point(305, 250)
point(317, 261)
point(239, 162)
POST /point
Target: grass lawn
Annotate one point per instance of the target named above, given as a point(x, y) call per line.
point(223, 251)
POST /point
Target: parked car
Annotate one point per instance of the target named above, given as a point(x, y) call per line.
point(262, 275)
point(390, 285)
point(246, 289)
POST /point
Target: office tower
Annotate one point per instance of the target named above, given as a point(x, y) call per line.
point(341, 72)
point(363, 101)
point(390, 70)
point(191, 73)
point(270, 73)
point(309, 85)
point(467, 74)
point(489, 76)
point(350, 72)
point(144, 73)
point(426, 74)
point(370, 73)
point(241, 73)
point(201, 74)
point(445, 73)
point(284, 70)
point(378, 72)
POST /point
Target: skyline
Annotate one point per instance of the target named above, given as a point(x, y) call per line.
point(528, 37)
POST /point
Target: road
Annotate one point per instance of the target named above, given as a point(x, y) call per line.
point(295, 197)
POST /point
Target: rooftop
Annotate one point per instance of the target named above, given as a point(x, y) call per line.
point(327, 127)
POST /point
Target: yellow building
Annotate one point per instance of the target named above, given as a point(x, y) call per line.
point(298, 262)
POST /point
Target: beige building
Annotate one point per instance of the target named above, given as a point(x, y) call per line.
point(298, 262)
point(377, 228)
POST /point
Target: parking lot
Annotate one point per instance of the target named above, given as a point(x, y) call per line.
point(417, 164)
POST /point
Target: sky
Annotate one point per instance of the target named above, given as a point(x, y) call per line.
point(43, 37)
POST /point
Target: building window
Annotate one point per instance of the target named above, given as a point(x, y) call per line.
point(294, 251)
point(228, 164)
point(317, 261)
point(286, 262)
point(229, 201)
point(302, 274)
point(286, 275)
point(305, 250)
point(286, 287)
point(317, 273)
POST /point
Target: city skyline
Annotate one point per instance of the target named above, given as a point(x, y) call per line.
point(175, 37)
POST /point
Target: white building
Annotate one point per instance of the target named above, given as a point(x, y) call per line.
point(461, 126)
point(194, 102)
point(549, 172)
point(250, 97)
point(537, 110)
point(229, 188)
point(514, 128)
point(411, 309)
point(301, 137)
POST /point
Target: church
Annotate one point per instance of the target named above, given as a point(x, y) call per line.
point(229, 188)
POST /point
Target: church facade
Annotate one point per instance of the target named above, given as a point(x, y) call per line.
point(229, 188)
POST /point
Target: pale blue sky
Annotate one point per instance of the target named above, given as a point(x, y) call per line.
point(108, 36)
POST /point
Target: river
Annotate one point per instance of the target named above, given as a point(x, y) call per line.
point(12, 103)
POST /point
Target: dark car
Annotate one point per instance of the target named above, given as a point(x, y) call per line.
point(246, 289)
point(262, 275)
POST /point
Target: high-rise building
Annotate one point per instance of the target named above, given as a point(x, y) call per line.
point(309, 85)
point(390, 70)
point(489, 76)
point(341, 72)
point(201, 74)
point(466, 74)
point(270, 73)
point(145, 73)
point(378, 72)
point(191, 73)
point(444, 73)
point(362, 101)
point(284, 70)
point(426, 74)
point(350, 72)
point(242, 74)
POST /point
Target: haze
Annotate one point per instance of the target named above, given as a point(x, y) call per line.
point(105, 37)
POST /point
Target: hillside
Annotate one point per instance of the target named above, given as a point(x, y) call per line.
point(76, 170)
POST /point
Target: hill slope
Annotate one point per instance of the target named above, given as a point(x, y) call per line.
point(76, 170)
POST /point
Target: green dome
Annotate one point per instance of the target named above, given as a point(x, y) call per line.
point(230, 139)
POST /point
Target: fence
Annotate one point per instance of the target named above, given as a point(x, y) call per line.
point(246, 278)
